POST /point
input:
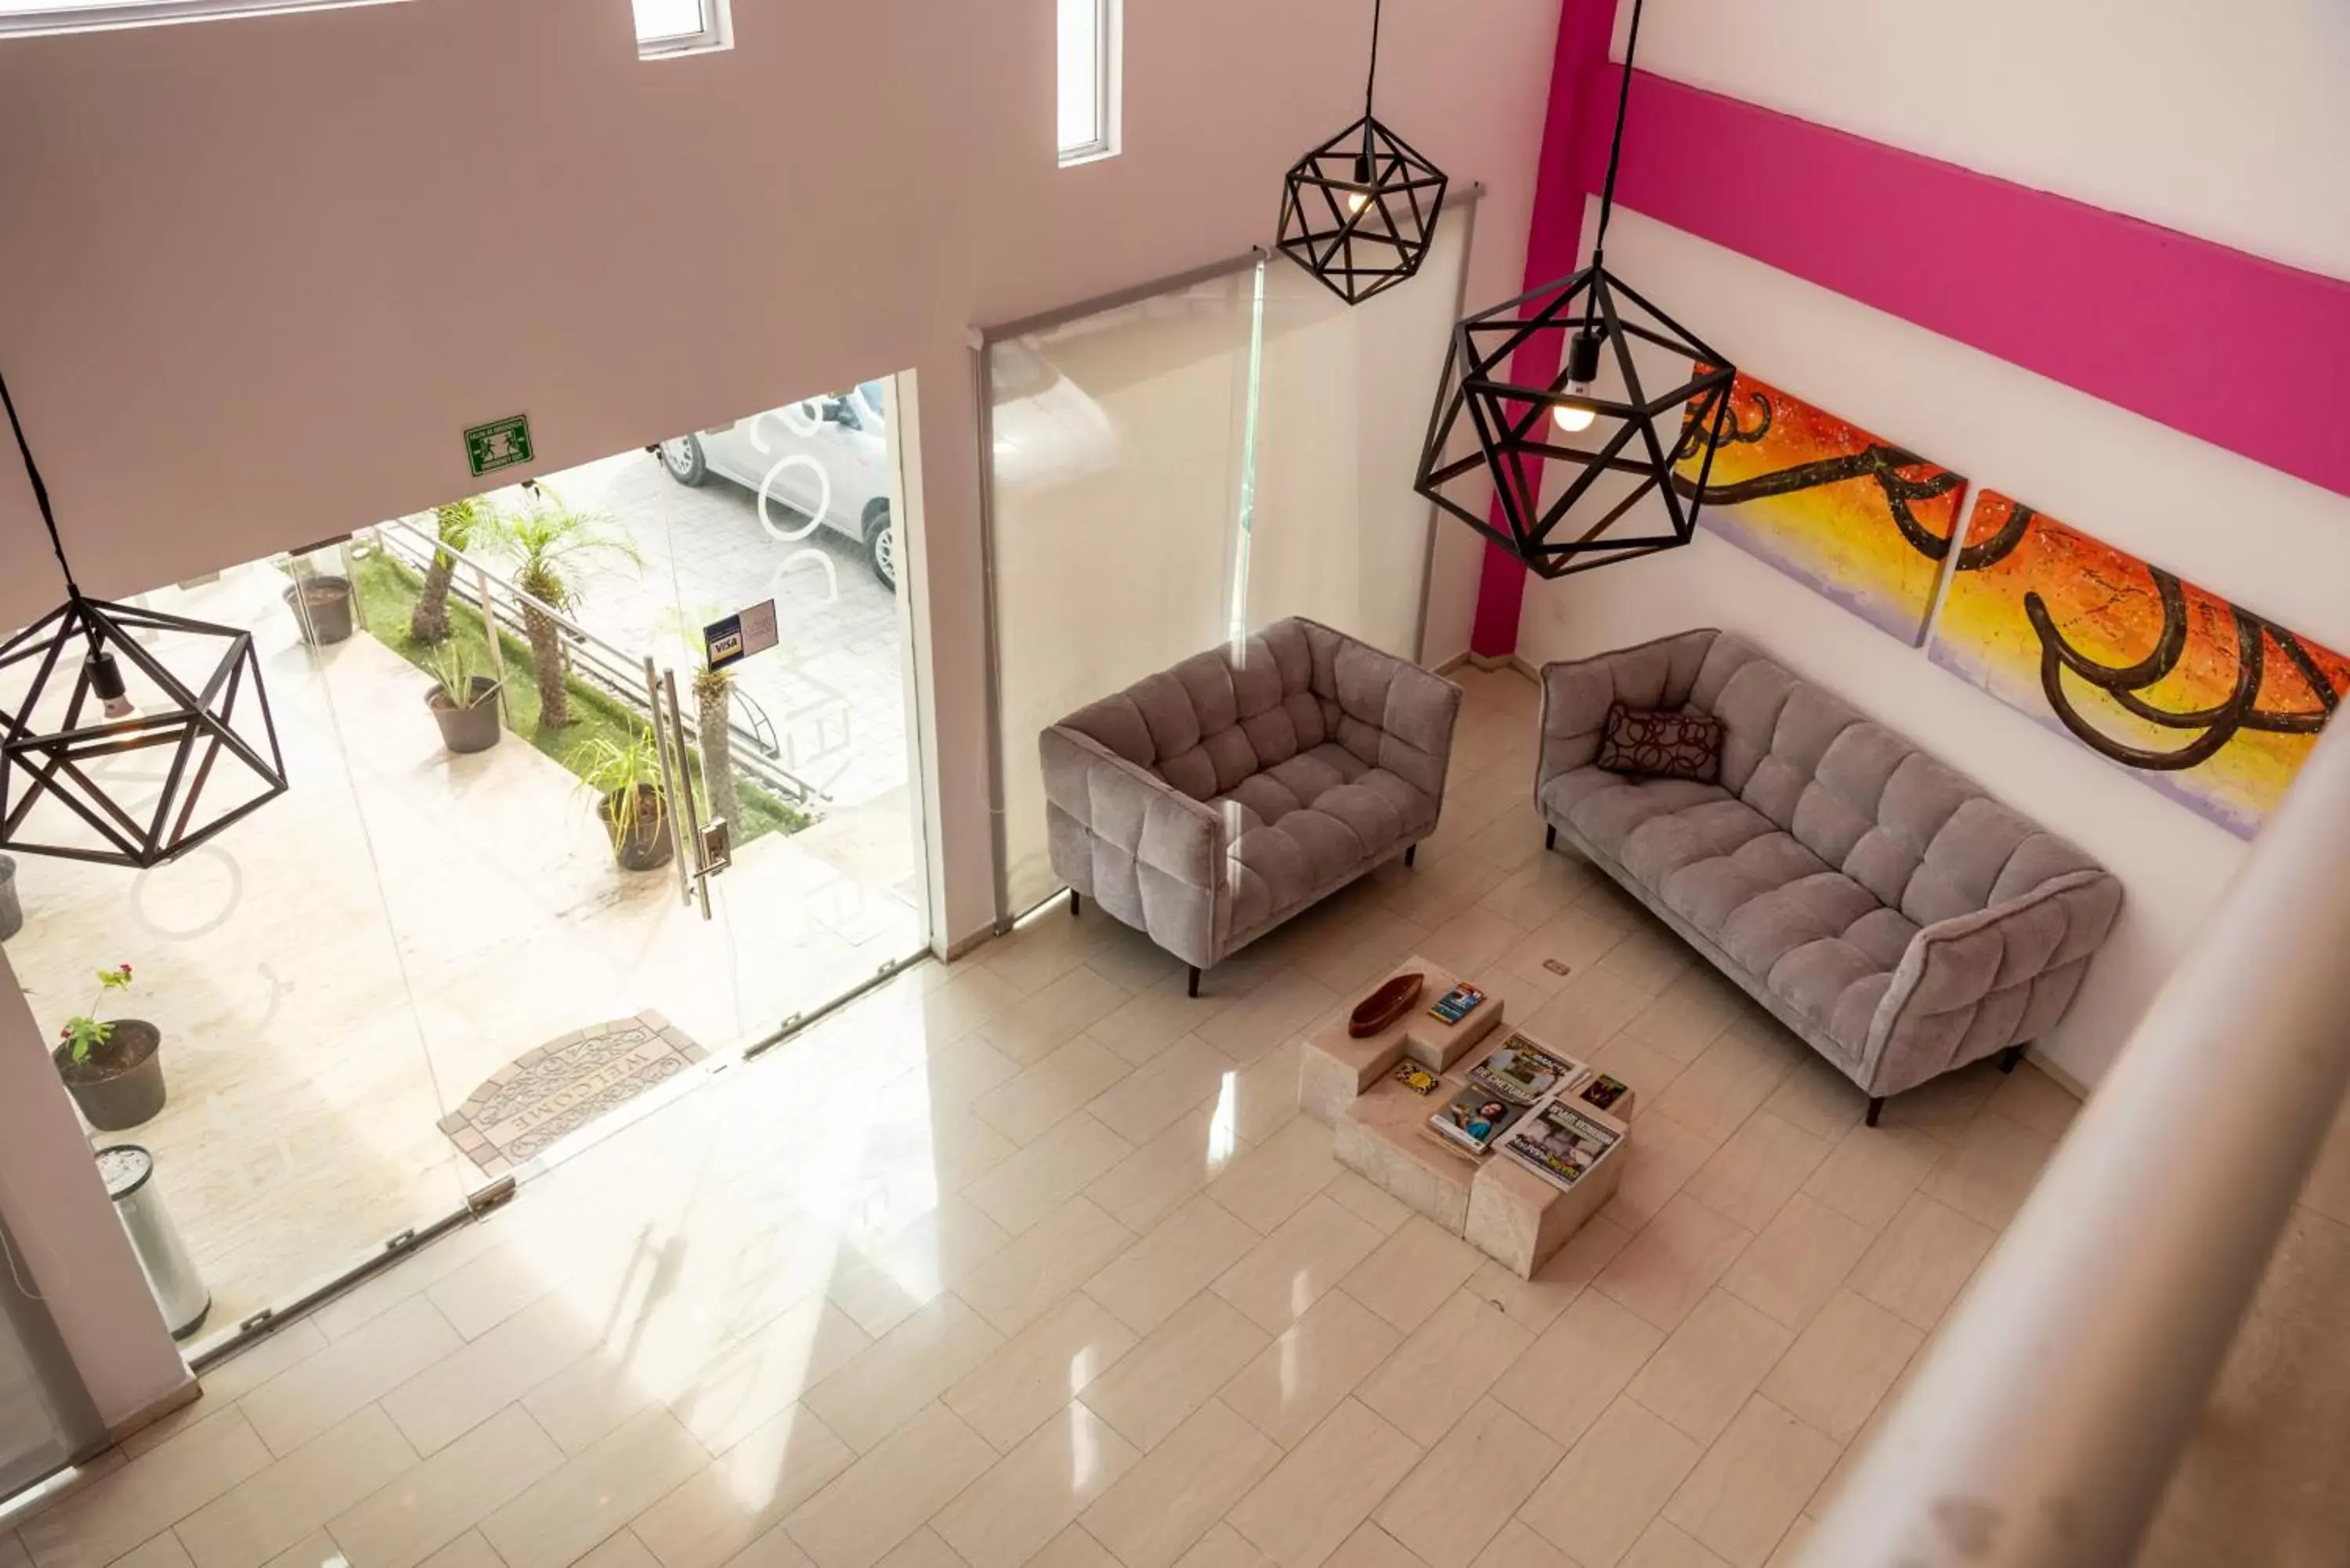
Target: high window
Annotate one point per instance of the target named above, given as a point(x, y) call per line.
point(1089, 79)
point(681, 26)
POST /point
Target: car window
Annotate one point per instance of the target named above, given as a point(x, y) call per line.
point(874, 398)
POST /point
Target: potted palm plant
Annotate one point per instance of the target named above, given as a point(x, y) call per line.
point(464, 702)
point(548, 542)
point(453, 525)
point(113, 1069)
point(626, 779)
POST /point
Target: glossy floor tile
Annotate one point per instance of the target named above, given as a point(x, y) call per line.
point(1030, 1261)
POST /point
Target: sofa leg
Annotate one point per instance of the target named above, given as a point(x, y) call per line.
point(2010, 1057)
point(1195, 979)
point(1077, 904)
point(1550, 838)
point(1409, 853)
point(1874, 1105)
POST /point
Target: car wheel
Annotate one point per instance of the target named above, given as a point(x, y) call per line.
point(683, 461)
point(881, 547)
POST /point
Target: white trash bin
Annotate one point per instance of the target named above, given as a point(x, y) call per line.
point(129, 1172)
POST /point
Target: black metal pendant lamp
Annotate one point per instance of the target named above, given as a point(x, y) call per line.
point(96, 693)
point(1628, 442)
point(1359, 212)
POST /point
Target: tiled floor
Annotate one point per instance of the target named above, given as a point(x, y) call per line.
point(1032, 1260)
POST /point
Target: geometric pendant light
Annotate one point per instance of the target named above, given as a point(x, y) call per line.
point(1567, 460)
point(1359, 212)
point(122, 751)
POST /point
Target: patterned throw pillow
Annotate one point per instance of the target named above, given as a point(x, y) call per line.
point(1660, 744)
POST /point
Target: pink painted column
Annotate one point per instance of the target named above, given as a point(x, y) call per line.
point(1553, 244)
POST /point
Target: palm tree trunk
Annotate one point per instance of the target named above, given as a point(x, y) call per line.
point(547, 669)
point(713, 696)
point(429, 621)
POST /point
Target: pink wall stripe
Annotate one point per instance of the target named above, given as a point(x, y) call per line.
point(2223, 346)
point(2240, 351)
point(1556, 232)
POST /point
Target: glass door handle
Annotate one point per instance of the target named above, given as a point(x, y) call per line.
point(676, 780)
point(703, 866)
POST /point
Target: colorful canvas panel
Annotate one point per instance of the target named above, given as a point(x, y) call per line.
point(1851, 517)
point(2198, 697)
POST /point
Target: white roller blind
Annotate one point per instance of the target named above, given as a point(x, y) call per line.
point(1338, 532)
point(1117, 443)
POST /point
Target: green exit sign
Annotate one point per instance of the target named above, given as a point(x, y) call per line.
point(501, 443)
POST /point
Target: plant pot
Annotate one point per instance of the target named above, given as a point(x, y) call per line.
point(12, 913)
point(121, 1083)
point(323, 606)
point(468, 730)
point(647, 847)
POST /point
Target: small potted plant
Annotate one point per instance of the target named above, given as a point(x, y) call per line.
point(464, 703)
point(322, 604)
point(629, 800)
point(113, 1069)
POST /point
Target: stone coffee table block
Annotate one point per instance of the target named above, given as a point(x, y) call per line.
point(1384, 1138)
point(1519, 1218)
point(1336, 1067)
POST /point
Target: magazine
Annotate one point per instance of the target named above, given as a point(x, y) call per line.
point(1475, 1118)
point(1559, 1143)
point(1457, 1003)
point(1416, 1079)
point(1522, 1071)
point(1603, 1092)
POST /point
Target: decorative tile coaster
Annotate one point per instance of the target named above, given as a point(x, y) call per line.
point(552, 1092)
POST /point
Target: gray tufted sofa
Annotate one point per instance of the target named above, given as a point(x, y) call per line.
point(1210, 802)
point(1879, 904)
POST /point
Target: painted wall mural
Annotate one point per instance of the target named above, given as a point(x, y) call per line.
point(2198, 697)
point(1855, 518)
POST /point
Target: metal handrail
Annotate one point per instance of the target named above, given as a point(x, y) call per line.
point(619, 678)
point(2044, 1425)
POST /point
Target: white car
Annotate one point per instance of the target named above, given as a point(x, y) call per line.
point(825, 457)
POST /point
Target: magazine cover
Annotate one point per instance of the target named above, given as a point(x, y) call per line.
point(1558, 1143)
point(1476, 1118)
point(1457, 1003)
point(1603, 1092)
point(1416, 1079)
point(1521, 1071)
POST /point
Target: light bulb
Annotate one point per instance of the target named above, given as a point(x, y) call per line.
point(1358, 202)
point(1574, 418)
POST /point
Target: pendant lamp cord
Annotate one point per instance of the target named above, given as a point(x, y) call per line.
point(1615, 157)
point(1372, 83)
point(40, 491)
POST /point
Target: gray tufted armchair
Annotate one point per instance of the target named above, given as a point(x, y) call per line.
point(1208, 804)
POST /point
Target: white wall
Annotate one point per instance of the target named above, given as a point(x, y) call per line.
point(257, 276)
point(2228, 121)
point(2276, 545)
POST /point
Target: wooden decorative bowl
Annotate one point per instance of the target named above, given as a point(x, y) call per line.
point(1384, 1005)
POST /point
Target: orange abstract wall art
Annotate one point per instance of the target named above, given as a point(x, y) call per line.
point(2198, 697)
point(1855, 518)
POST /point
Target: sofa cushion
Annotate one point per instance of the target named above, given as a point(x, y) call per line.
point(1287, 849)
point(1606, 807)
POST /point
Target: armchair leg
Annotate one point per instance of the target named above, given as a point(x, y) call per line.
point(2010, 1057)
point(1874, 1105)
point(1409, 853)
point(1550, 838)
point(1077, 904)
point(1195, 979)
